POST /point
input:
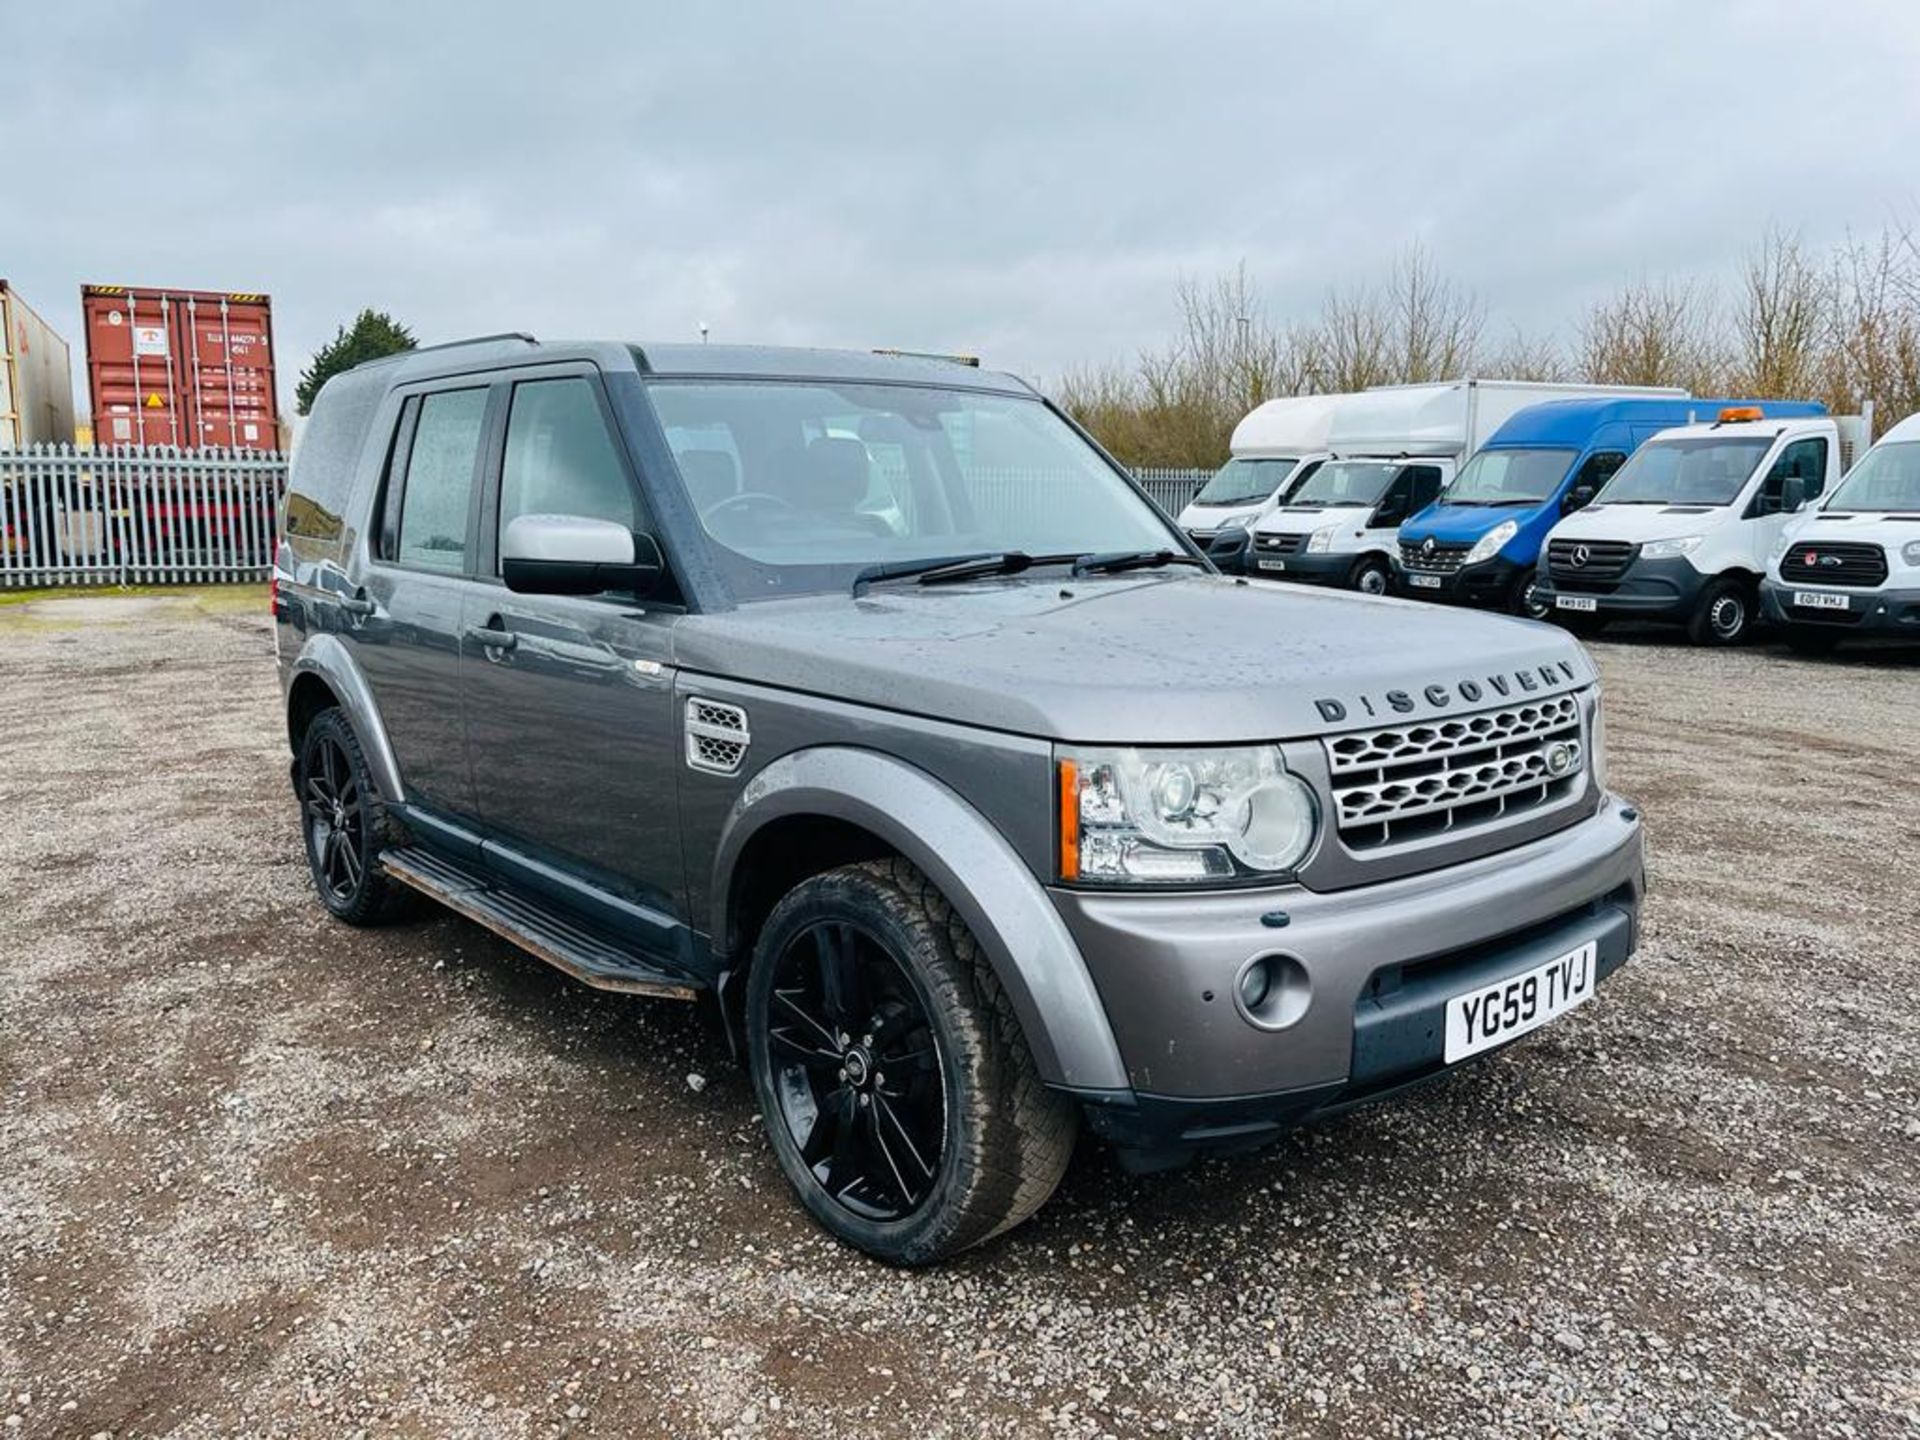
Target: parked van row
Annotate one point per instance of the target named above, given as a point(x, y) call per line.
point(1583, 504)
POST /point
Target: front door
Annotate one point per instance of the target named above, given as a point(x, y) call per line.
point(568, 699)
point(1765, 518)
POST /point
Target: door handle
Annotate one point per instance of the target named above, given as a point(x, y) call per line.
point(491, 638)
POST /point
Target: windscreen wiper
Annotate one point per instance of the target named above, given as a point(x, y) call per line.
point(944, 569)
point(1114, 561)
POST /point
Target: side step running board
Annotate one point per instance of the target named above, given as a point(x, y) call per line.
point(535, 928)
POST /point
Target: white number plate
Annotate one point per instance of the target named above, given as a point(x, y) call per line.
point(1271, 564)
point(1425, 582)
point(1820, 600)
point(1576, 602)
point(1497, 1013)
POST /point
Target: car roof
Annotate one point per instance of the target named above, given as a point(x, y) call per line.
point(1768, 428)
point(678, 359)
point(1572, 422)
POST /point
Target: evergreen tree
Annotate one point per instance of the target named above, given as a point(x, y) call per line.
point(374, 334)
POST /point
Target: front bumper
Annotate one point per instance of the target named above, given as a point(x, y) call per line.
point(1380, 962)
point(1665, 589)
point(1317, 569)
point(1491, 582)
point(1869, 612)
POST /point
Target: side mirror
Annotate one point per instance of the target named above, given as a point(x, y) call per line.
point(572, 555)
point(1793, 493)
point(1228, 548)
point(1578, 498)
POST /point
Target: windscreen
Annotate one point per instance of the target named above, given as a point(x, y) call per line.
point(1244, 481)
point(1347, 482)
point(1701, 470)
point(1887, 478)
point(800, 485)
point(1509, 477)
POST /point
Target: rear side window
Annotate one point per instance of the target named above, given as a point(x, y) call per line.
point(560, 458)
point(327, 456)
point(438, 488)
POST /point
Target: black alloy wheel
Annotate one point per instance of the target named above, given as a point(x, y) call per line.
point(897, 1087)
point(336, 821)
point(856, 1071)
point(344, 822)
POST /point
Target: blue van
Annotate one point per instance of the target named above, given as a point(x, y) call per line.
point(1479, 543)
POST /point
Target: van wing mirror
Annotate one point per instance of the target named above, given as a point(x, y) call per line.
point(1578, 498)
point(1793, 493)
point(575, 555)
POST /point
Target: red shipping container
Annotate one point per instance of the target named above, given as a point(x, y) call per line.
point(187, 368)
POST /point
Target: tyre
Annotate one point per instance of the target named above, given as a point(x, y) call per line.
point(1803, 641)
point(1526, 596)
point(899, 1094)
point(1370, 576)
point(345, 824)
point(1724, 614)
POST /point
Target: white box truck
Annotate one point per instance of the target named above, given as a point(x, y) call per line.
point(1396, 448)
point(36, 378)
point(1275, 449)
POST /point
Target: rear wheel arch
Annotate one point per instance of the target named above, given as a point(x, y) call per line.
point(306, 698)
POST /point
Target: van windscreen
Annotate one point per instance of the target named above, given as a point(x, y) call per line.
point(1698, 470)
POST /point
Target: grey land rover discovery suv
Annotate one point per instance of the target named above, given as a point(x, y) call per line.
point(865, 695)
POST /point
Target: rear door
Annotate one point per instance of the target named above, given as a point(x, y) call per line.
point(570, 722)
point(405, 621)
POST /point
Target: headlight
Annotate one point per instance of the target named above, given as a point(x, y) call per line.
point(1240, 521)
point(1155, 817)
point(1321, 540)
point(1488, 545)
point(1664, 549)
point(1910, 552)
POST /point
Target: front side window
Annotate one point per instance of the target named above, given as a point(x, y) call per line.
point(1347, 482)
point(800, 485)
point(1245, 482)
point(1804, 460)
point(1510, 477)
point(1699, 470)
point(438, 489)
point(560, 460)
point(1886, 479)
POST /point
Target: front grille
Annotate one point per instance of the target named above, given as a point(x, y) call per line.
point(1596, 560)
point(1445, 557)
point(1433, 776)
point(1834, 562)
point(1279, 544)
point(717, 736)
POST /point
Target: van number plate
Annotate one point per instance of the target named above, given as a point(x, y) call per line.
point(1497, 1013)
point(1271, 564)
point(1576, 602)
point(1425, 582)
point(1819, 600)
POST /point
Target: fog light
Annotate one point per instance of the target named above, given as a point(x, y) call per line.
point(1254, 985)
point(1273, 991)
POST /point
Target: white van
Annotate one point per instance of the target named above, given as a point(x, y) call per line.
point(1397, 446)
point(1851, 564)
point(1275, 448)
point(1682, 531)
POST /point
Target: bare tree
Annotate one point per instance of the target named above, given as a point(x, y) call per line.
point(1654, 333)
point(1528, 357)
point(1875, 354)
point(1784, 322)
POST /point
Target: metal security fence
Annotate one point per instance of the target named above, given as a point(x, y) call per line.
point(137, 516)
point(1172, 490)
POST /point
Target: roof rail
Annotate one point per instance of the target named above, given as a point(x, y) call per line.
point(973, 360)
point(450, 345)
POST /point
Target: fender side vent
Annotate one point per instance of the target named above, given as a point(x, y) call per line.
point(717, 737)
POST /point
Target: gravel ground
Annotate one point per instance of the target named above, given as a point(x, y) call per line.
point(263, 1174)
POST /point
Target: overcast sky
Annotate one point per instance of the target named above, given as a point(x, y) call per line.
point(1023, 181)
